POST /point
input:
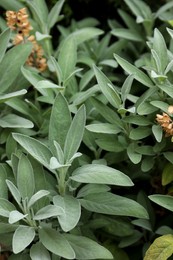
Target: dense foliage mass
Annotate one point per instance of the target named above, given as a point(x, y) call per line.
point(86, 157)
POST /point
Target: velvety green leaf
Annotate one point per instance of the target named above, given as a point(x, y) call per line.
point(6, 97)
point(11, 5)
point(139, 133)
point(22, 238)
point(167, 176)
point(75, 134)
point(15, 216)
point(110, 143)
point(133, 155)
point(35, 148)
point(6, 207)
point(56, 243)
point(139, 8)
point(67, 57)
point(160, 249)
point(38, 251)
point(48, 211)
point(86, 34)
point(54, 13)
point(100, 174)
point(4, 39)
point(107, 112)
point(92, 188)
point(128, 34)
point(106, 87)
point(7, 228)
point(158, 132)
point(137, 120)
point(82, 96)
point(160, 48)
point(44, 84)
point(143, 223)
point(131, 69)
point(14, 191)
point(104, 128)
point(37, 196)
point(86, 248)
point(14, 121)
point(160, 104)
point(11, 64)
point(108, 203)
point(72, 211)
point(25, 177)
point(3, 185)
point(165, 201)
point(168, 156)
point(167, 89)
point(130, 240)
point(60, 120)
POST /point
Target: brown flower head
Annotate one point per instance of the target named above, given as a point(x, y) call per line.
point(166, 123)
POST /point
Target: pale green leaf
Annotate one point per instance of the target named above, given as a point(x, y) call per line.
point(15, 121)
point(48, 212)
point(54, 13)
point(4, 39)
point(38, 251)
point(23, 236)
point(165, 201)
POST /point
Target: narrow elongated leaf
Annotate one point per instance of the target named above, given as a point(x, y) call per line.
point(38, 251)
point(100, 174)
point(92, 188)
point(37, 196)
point(107, 88)
point(54, 13)
point(4, 39)
point(161, 248)
point(35, 148)
point(22, 237)
point(6, 97)
point(11, 64)
point(86, 248)
point(48, 211)
point(75, 134)
point(108, 203)
point(67, 57)
point(104, 128)
point(14, 191)
point(131, 69)
point(160, 48)
point(128, 34)
point(72, 211)
point(15, 216)
point(60, 120)
point(56, 243)
point(165, 201)
point(14, 121)
point(25, 177)
point(86, 34)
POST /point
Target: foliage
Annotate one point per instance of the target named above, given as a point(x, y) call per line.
point(86, 144)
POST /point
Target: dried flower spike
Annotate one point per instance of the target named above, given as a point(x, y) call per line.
point(166, 123)
point(18, 21)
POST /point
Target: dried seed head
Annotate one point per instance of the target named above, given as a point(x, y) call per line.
point(170, 109)
point(166, 123)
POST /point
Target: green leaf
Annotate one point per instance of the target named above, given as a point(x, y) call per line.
point(137, 73)
point(6, 97)
point(25, 177)
point(133, 155)
point(38, 251)
point(35, 148)
point(56, 243)
point(157, 132)
point(48, 212)
point(23, 236)
point(4, 39)
point(14, 191)
point(53, 15)
point(85, 248)
point(128, 34)
point(165, 201)
point(108, 203)
point(92, 188)
point(72, 211)
point(67, 57)
point(14, 121)
point(11, 5)
point(37, 196)
point(139, 133)
point(60, 121)
point(160, 48)
point(104, 128)
point(15, 216)
point(161, 248)
point(100, 174)
point(106, 87)
point(167, 176)
point(7, 228)
point(6, 207)
point(126, 87)
point(75, 134)
point(11, 64)
point(3, 185)
point(86, 34)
